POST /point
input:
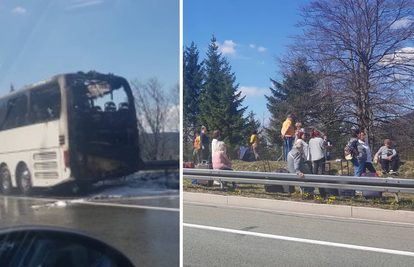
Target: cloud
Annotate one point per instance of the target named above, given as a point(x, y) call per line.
point(402, 23)
point(253, 91)
point(261, 63)
point(252, 46)
point(228, 47)
point(261, 49)
point(402, 56)
point(19, 10)
point(84, 3)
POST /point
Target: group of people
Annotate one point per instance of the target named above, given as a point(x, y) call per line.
point(302, 153)
point(361, 157)
point(315, 152)
point(301, 156)
point(201, 150)
point(218, 156)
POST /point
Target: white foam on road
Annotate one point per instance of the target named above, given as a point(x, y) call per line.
point(301, 240)
point(63, 204)
point(130, 206)
point(59, 204)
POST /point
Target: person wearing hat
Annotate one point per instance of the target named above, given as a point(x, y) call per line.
point(287, 134)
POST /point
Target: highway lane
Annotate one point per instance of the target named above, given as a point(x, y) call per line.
point(142, 222)
point(268, 238)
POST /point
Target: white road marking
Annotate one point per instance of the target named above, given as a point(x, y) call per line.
point(301, 240)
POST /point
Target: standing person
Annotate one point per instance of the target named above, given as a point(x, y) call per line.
point(287, 134)
point(216, 137)
point(254, 140)
point(386, 155)
point(299, 130)
point(205, 142)
point(328, 145)
point(296, 164)
point(196, 152)
point(359, 155)
point(306, 151)
point(316, 149)
point(368, 163)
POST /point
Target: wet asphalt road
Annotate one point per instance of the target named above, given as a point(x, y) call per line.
point(140, 221)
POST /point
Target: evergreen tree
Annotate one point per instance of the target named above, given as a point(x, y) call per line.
point(11, 88)
point(192, 86)
point(220, 104)
point(296, 95)
point(252, 123)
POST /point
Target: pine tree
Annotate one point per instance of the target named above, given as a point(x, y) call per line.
point(252, 123)
point(221, 104)
point(296, 95)
point(192, 85)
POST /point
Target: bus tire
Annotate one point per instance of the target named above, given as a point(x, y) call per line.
point(5, 179)
point(24, 180)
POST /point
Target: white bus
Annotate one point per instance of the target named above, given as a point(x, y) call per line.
point(78, 127)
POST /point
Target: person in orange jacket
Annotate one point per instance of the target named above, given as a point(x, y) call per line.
point(197, 152)
point(288, 133)
point(254, 140)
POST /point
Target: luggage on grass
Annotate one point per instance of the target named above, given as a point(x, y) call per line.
point(205, 166)
point(370, 194)
point(346, 192)
point(280, 188)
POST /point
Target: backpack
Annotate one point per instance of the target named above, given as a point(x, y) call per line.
point(245, 154)
point(350, 150)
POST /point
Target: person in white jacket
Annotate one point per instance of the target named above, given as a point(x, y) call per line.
point(306, 151)
point(316, 149)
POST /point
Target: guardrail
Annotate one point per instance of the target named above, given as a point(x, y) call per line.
point(394, 185)
point(160, 165)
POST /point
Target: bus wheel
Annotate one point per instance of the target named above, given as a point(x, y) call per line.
point(6, 183)
point(24, 180)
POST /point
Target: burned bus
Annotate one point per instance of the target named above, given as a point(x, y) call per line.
point(77, 127)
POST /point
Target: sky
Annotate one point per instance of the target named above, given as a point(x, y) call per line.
point(250, 35)
point(136, 39)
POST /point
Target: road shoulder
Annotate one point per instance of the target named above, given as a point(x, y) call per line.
point(398, 216)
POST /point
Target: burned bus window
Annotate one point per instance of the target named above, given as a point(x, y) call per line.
point(45, 104)
point(15, 112)
point(112, 101)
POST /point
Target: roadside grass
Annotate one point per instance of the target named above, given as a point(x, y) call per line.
point(387, 201)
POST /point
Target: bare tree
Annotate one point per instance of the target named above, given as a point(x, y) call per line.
point(152, 109)
point(362, 46)
point(174, 112)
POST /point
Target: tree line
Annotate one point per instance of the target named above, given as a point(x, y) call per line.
point(351, 67)
point(211, 98)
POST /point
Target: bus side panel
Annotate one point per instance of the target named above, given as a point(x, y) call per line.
point(38, 147)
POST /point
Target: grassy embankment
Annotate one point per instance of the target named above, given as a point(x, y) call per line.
point(406, 171)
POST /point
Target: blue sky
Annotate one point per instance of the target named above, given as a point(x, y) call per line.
point(131, 38)
point(250, 34)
